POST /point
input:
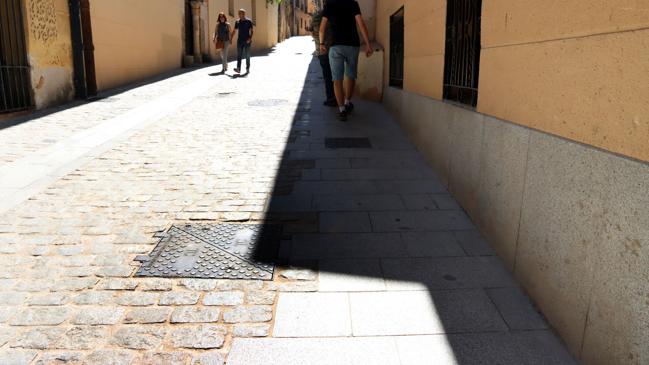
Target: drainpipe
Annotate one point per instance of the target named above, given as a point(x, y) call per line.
point(88, 49)
point(196, 13)
point(77, 50)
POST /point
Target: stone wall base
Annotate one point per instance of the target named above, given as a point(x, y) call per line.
point(569, 220)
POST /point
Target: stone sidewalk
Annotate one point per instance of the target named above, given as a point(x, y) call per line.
point(378, 264)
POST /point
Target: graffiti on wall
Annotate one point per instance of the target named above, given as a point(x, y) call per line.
point(42, 18)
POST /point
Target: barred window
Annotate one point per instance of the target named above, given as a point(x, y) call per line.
point(462, 58)
point(396, 48)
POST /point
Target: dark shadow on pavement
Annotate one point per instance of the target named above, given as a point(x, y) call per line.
point(415, 263)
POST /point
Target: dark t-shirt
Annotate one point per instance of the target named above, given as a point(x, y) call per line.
point(342, 16)
point(223, 32)
point(244, 27)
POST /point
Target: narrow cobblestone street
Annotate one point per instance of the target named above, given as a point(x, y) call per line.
point(377, 265)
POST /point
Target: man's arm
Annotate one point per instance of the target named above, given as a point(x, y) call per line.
point(252, 31)
point(323, 29)
point(366, 38)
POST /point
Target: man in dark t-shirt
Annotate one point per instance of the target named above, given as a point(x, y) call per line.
point(245, 28)
point(344, 17)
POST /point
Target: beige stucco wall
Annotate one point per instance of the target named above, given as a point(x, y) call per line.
point(368, 8)
point(136, 39)
point(266, 22)
point(303, 22)
point(424, 35)
point(49, 51)
point(574, 69)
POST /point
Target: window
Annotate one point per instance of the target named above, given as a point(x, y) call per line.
point(462, 59)
point(231, 8)
point(396, 48)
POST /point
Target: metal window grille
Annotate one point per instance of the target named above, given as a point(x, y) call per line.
point(396, 48)
point(462, 59)
point(15, 89)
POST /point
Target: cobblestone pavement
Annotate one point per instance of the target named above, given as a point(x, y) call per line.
point(378, 263)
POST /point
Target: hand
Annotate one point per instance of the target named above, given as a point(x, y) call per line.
point(369, 50)
point(249, 40)
point(323, 49)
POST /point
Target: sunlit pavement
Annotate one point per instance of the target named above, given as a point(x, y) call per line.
point(378, 264)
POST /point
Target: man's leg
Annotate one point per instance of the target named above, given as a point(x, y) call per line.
point(351, 73)
point(326, 76)
point(248, 57)
point(337, 63)
point(340, 93)
point(239, 55)
point(350, 84)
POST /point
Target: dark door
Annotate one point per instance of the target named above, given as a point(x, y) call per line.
point(189, 29)
point(15, 88)
point(396, 48)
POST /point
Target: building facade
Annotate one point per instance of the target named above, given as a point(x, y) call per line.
point(536, 116)
point(52, 50)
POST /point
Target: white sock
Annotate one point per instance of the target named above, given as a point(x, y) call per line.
point(341, 109)
point(347, 101)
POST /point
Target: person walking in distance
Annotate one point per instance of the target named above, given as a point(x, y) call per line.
point(244, 40)
point(324, 58)
point(344, 17)
point(222, 39)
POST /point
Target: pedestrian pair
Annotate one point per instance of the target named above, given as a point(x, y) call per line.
point(224, 34)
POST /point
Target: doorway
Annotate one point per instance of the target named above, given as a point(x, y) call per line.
point(15, 84)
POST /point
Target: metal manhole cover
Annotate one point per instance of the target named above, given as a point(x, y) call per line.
point(267, 102)
point(215, 251)
point(335, 143)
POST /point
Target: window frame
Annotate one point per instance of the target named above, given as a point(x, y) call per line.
point(397, 48)
point(462, 51)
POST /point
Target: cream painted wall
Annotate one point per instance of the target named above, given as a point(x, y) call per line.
point(424, 43)
point(266, 23)
point(506, 22)
point(136, 39)
point(49, 51)
point(591, 89)
point(368, 8)
point(575, 69)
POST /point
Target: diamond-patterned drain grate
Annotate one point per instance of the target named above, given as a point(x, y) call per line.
point(215, 251)
point(335, 143)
